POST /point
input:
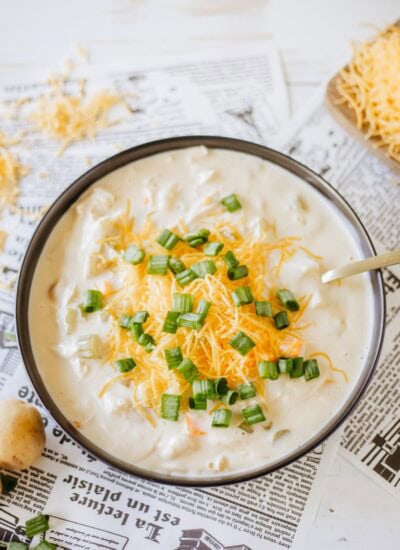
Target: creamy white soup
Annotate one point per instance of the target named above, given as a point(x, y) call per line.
point(178, 318)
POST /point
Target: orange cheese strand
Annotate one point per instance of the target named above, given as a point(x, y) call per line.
point(330, 364)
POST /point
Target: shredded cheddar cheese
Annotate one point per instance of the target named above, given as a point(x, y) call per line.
point(369, 85)
point(11, 171)
point(209, 347)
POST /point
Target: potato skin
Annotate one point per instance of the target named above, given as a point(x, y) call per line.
point(22, 435)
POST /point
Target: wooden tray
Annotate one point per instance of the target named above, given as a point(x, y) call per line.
point(346, 117)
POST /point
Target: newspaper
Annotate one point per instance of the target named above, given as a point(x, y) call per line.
point(371, 436)
point(91, 505)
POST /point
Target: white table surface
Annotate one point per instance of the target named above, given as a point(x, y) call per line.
point(313, 37)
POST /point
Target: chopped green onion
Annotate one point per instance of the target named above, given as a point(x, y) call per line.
point(203, 268)
point(185, 277)
point(285, 365)
point(173, 357)
point(125, 321)
point(170, 406)
point(268, 369)
point(188, 370)
point(253, 415)
point(311, 369)
point(170, 324)
point(288, 299)
point(242, 296)
point(237, 272)
point(134, 255)
point(167, 239)
point(198, 403)
point(89, 346)
point(147, 341)
point(203, 308)
point(242, 343)
point(176, 265)
point(281, 320)
point(221, 418)
point(197, 239)
point(17, 546)
point(158, 265)
point(246, 391)
point(34, 526)
point(263, 309)
point(92, 301)
point(45, 545)
point(221, 386)
point(230, 397)
point(190, 320)
point(213, 249)
point(182, 302)
point(230, 259)
point(298, 368)
point(8, 483)
point(125, 365)
point(204, 387)
point(140, 317)
point(136, 331)
point(231, 203)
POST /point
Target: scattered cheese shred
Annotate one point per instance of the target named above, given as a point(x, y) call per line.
point(11, 171)
point(369, 85)
point(209, 347)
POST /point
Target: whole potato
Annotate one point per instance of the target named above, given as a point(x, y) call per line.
point(22, 435)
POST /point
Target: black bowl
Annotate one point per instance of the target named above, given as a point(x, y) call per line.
point(68, 198)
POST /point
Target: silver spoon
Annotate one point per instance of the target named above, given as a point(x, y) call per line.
point(375, 262)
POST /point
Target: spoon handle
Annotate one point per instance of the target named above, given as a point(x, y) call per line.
point(375, 262)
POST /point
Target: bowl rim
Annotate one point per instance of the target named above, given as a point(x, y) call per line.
point(65, 200)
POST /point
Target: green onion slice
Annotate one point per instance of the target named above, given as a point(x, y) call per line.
point(221, 418)
point(213, 249)
point(188, 370)
point(298, 368)
point(185, 277)
point(281, 320)
point(198, 403)
point(288, 299)
point(242, 296)
point(242, 343)
point(246, 391)
point(170, 324)
point(197, 239)
point(134, 254)
point(173, 357)
point(176, 265)
point(34, 526)
point(268, 369)
point(92, 301)
point(147, 341)
point(285, 365)
point(253, 415)
point(190, 320)
point(167, 239)
point(125, 365)
point(230, 259)
point(170, 405)
point(203, 268)
point(17, 546)
point(230, 397)
point(221, 386)
point(204, 387)
point(231, 203)
point(136, 331)
point(203, 308)
point(311, 369)
point(237, 272)
point(125, 321)
point(140, 317)
point(182, 302)
point(263, 309)
point(158, 265)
